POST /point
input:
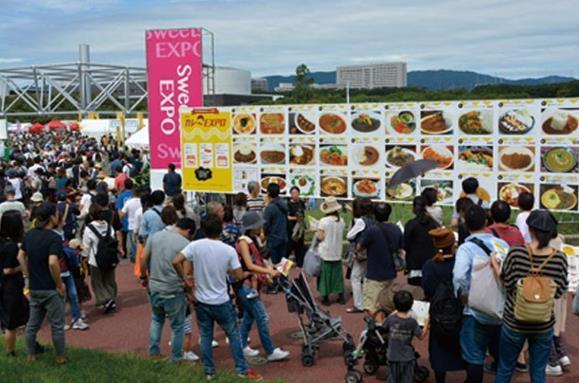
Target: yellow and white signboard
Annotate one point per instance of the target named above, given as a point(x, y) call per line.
point(206, 150)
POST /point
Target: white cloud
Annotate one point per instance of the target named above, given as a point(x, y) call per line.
point(508, 38)
point(8, 60)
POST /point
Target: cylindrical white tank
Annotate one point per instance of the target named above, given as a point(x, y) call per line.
point(231, 81)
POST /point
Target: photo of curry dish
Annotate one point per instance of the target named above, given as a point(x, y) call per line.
point(265, 181)
point(333, 186)
point(334, 155)
point(244, 123)
point(510, 192)
point(399, 156)
point(475, 122)
point(560, 122)
point(435, 122)
point(558, 197)
point(366, 188)
point(365, 123)
point(301, 154)
point(332, 123)
point(519, 158)
point(272, 123)
point(272, 154)
point(475, 156)
point(244, 154)
point(559, 160)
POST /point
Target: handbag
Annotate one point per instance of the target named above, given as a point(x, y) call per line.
point(486, 294)
point(312, 260)
point(535, 297)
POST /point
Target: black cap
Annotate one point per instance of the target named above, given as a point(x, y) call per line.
point(542, 220)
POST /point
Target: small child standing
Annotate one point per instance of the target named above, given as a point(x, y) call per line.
point(401, 328)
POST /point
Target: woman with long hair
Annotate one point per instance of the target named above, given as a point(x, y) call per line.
point(13, 303)
point(417, 242)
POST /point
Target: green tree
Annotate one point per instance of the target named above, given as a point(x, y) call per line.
point(302, 92)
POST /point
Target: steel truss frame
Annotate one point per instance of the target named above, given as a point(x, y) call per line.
point(86, 86)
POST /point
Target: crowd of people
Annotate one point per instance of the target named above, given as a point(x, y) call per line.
point(73, 208)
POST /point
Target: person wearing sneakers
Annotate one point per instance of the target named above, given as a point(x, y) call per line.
point(69, 270)
point(166, 293)
point(38, 258)
point(212, 262)
point(253, 307)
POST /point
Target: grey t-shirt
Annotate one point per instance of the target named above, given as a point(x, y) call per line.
point(400, 334)
point(162, 247)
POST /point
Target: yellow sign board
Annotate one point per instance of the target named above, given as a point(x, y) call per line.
point(206, 150)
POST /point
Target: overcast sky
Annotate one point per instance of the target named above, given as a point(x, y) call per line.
point(509, 38)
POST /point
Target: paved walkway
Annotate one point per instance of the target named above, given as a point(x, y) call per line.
point(127, 331)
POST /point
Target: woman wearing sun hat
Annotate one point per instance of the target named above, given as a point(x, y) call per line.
point(443, 348)
point(330, 234)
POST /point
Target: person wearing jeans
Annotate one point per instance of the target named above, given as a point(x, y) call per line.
point(172, 307)
point(253, 307)
point(166, 293)
point(38, 258)
point(539, 257)
point(212, 262)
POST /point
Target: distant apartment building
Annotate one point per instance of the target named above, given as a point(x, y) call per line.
point(382, 75)
point(259, 85)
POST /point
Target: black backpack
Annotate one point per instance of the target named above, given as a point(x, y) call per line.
point(107, 255)
point(446, 310)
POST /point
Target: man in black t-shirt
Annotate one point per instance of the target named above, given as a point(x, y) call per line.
point(38, 257)
point(381, 242)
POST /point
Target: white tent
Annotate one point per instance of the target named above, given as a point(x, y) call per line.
point(139, 139)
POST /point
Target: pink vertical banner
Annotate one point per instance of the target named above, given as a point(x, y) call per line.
point(174, 79)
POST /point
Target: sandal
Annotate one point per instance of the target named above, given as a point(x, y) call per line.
point(354, 310)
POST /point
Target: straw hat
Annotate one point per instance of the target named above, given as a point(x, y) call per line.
point(330, 205)
point(37, 197)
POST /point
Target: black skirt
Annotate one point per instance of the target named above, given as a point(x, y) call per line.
point(13, 303)
point(444, 351)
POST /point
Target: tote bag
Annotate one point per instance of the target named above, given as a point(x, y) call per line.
point(486, 293)
point(312, 260)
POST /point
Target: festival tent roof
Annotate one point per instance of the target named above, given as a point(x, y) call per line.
point(36, 128)
point(139, 139)
point(74, 126)
point(56, 125)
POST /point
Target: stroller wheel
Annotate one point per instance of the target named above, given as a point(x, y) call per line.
point(354, 376)
point(370, 368)
point(307, 360)
point(421, 373)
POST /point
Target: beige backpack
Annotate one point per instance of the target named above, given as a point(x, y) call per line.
point(535, 294)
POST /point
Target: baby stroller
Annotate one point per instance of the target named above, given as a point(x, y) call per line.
point(373, 347)
point(316, 324)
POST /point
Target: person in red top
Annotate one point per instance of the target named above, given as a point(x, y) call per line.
point(501, 213)
point(120, 181)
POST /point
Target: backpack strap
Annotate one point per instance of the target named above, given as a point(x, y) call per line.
point(495, 232)
point(537, 270)
point(156, 211)
point(95, 231)
point(479, 202)
point(481, 244)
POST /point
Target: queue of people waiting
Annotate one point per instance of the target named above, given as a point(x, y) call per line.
point(70, 212)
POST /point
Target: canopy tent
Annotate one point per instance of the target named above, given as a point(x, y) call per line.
point(36, 128)
point(74, 127)
point(56, 125)
point(139, 139)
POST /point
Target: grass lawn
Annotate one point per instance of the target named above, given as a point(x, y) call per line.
point(88, 366)
point(568, 222)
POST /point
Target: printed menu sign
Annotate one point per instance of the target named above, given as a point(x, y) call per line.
point(206, 148)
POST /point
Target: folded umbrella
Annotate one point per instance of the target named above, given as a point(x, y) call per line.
point(411, 170)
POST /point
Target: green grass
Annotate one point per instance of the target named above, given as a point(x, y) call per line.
point(88, 366)
point(568, 222)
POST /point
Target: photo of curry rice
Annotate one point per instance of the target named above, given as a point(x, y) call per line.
point(365, 122)
point(435, 122)
point(301, 154)
point(403, 122)
point(476, 156)
point(334, 155)
point(244, 153)
point(475, 122)
point(301, 124)
point(518, 158)
point(272, 154)
point(560, 122)
point(559, 197)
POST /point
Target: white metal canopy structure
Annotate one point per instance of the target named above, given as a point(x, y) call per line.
point(84, 87)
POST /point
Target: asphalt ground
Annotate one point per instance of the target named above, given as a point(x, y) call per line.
point(127, 331)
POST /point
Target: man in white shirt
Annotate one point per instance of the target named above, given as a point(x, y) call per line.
point(212, 261)
point(130, 210)
point(526, 202)
point(11, 204)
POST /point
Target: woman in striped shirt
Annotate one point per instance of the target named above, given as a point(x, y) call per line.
point(517, 265)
